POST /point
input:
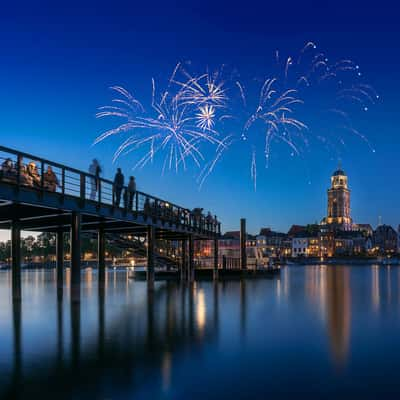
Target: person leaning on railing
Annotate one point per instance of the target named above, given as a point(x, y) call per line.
point(8, 171)
point(33, 173)
point(50, 180)
point(24, 177)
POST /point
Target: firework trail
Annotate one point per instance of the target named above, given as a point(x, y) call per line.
point(334, 91)
point(177, 124)
point(272, 119)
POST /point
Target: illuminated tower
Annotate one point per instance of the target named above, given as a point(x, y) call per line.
point(339, 202)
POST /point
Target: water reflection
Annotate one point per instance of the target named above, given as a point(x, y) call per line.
point(328, 287)
point(141, 340)
point(146, 332)
point(375, 295)
point(17, 330)
point(338, 312)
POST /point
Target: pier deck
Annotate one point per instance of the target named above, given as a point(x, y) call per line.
point(45, 196)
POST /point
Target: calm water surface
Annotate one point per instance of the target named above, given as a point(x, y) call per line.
point(317, 332)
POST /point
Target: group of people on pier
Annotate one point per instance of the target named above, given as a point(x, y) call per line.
point(28, 175)
point(119, 190)
point(31, 175)
point(151, 207)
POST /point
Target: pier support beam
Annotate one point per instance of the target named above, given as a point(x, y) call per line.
point(216, 249)
point(101, 249)
point(184, 260)
point(151, 239)
point(60, 261)
point(75, 257)
point(243, 256)
point(191, 259)
point(16, 260)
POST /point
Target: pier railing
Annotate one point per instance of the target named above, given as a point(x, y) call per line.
point(29, 171)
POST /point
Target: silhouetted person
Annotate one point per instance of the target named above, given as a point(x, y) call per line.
point(131, 190)
point(94, 169)
point(118, 186)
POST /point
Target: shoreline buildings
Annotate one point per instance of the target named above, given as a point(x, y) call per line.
point(337, 235)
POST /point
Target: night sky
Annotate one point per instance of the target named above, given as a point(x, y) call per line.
point(57, 63)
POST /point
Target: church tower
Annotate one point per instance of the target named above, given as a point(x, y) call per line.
point(339, 202)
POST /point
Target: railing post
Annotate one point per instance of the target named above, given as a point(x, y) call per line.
point(42, 175)
point(137, 201)
point(99, 183)
point(224, 262)
point(83, 186)
point(20, 161)
point(156, 210)
point(113, 195)
point(63, 181)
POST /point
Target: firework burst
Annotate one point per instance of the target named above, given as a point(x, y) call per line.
point(308, 93)
point(173, 126)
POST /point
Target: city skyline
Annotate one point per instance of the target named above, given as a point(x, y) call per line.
point(5, 235)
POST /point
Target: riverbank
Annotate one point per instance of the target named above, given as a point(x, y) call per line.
point(345, 260)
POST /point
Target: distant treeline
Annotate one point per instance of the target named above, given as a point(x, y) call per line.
point(44, 246)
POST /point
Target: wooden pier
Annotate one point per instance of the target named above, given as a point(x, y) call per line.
point(41, 195)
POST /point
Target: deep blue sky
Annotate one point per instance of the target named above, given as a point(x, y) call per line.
point(57, 63)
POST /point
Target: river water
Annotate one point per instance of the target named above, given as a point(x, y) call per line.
point(315, 332)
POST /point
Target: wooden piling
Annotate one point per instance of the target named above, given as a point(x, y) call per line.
point(216, 250)
point(151, 238)
point(101, 256)
point(243, 256)
point(60, 262)
point(191, 259)
point(16, 260)
point(75, 256)
point(184, 261)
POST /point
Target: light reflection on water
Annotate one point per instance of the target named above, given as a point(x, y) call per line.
point(311, 331)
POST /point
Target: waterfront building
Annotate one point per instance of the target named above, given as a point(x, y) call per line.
point(365, 229)
point(229, 245)
point(338, 216)
point(305, 240)
point(385, 239)
point(271, 244)
point(299, 246)
point(398, 239)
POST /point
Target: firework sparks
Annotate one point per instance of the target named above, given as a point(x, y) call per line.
point(170, 127)
point(271, 111)
point(205, 117)
point(186, 120)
